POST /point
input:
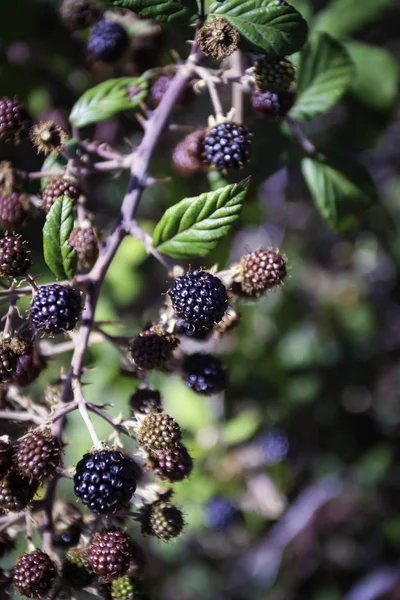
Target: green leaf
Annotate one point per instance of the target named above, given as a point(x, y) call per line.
point(168, 11)
point(194, 226)
point(342, 189)
point(240, 428)
point(59, 256)
point(267, 25)
point(324, 74)
point(344, 17)
point(108, 99)
point(376, 79)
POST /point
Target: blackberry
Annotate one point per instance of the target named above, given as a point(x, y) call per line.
point(275, 106)
point(144, 401)
point(53, 394)
point(110, 553)
point(85, 242)
point(14, 256)
point(14, 119)
point(204, 373)
point(108, 41)
point(173, 465)
point(55, 308)
point(16, 492)
point(158, 432)
point(34, 574)
point(272, 446)
point(273, 74)
point(14, 211)
point(123, 589)
point(5, 458)
point(36, 455)
point(79, 14)
point(76, 569)
point(199, 298)
point(220, 513)
point(48, 137)
point(152, 349)
point(8, 364)
point(105, 481)
point(261, 271)
point(184, 328)
point(218, 39)
point(186, 157)
point(227, 146)
point(28, 369)
point(162, 520)
point(161, 85)
point(57, 188)
point(6, 543)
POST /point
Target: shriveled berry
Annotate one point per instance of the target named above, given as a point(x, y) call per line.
point(55, 308)
point(14, 119)
point(153, 349)
point(85, 242)
point(110, 553)
point(16, 492)
point(218, 39)
point(34, 574)
point(162, 520)
point(261, 271)
point(173, 465)
point(108, 41)
point(36, 455)
point(226, 146)
point(145, 400)
point(14, 211)
point(14, 256)
point(5, 458)
point(57, 188)
point(158, 432)
point(204, 373)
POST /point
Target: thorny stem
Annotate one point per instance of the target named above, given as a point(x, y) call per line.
point(211, 81)
point(82, 407)
point(237, 88)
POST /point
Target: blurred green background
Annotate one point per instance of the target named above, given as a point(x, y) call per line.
point(309, 425)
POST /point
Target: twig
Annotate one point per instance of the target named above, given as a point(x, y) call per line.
point(8, 324)
point(83, 409)
point(298, 133)
point(211, 81)
point(140, 234)
point(104, 415)
point(15, 415)
point(7, 520)
point(237, 89)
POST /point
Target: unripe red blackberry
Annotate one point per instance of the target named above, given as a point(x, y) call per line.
point(161, 85)
point(218, 39)
point(199, 298)
point(204, 373)
point(261, 270)
point(55, 308)
point(8, 364)
point(14, 119)
point(273, 74)
point(153, 349)
point(110, 553)
point(34, 574)
point(36, 455)
point(173, 465)
point(28, 369)
point(85, 242)
point(158, 432)
point(5, 458)
point(123, 589)
point(14, 256)
point(79, 14)
point(14, 211)
point(187, 155)
point(105, 481)
point(16, 492)
point(144, 401)
point(226, 146)
point(76, 569)
point(162, 520)
point(108, 41)
point(57, 188)
point(270, 104)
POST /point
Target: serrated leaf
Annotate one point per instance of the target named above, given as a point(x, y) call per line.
point(59, 256)
point(108, 99)
point(194, 226)
point(343, 17)
point(342, 189)
point(324, 74)
point(268, 25)
point(168, 11)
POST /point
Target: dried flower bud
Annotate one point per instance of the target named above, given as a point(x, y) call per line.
point(48, 137)
point(218, 39)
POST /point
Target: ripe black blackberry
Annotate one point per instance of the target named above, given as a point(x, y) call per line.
point(123, 588)
point(161, 85)
point(8, 363)
point(275, 106)
point(153, 349)
point(143, 401)
point(184, 328)
point(29, 367)
point(173, 465)
point(14, 119)
point(85, 242)
point(218, 39)
point(261, 271)
point(57, 188)
point(36, 455)
point(108, 41)
point(79, 14)
point(5, 458)
point(55, 308)
point(199, 298)
point(273, 74)
point(14, 211)
point(110, 554)
point(34, 574)
point(186, 156)
point(16, 492)
point(14, 256)
point(162, 520)
point(226, 146)
point(105, 481)
point(158, 432)
point(204, 373)
point(76, 569)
